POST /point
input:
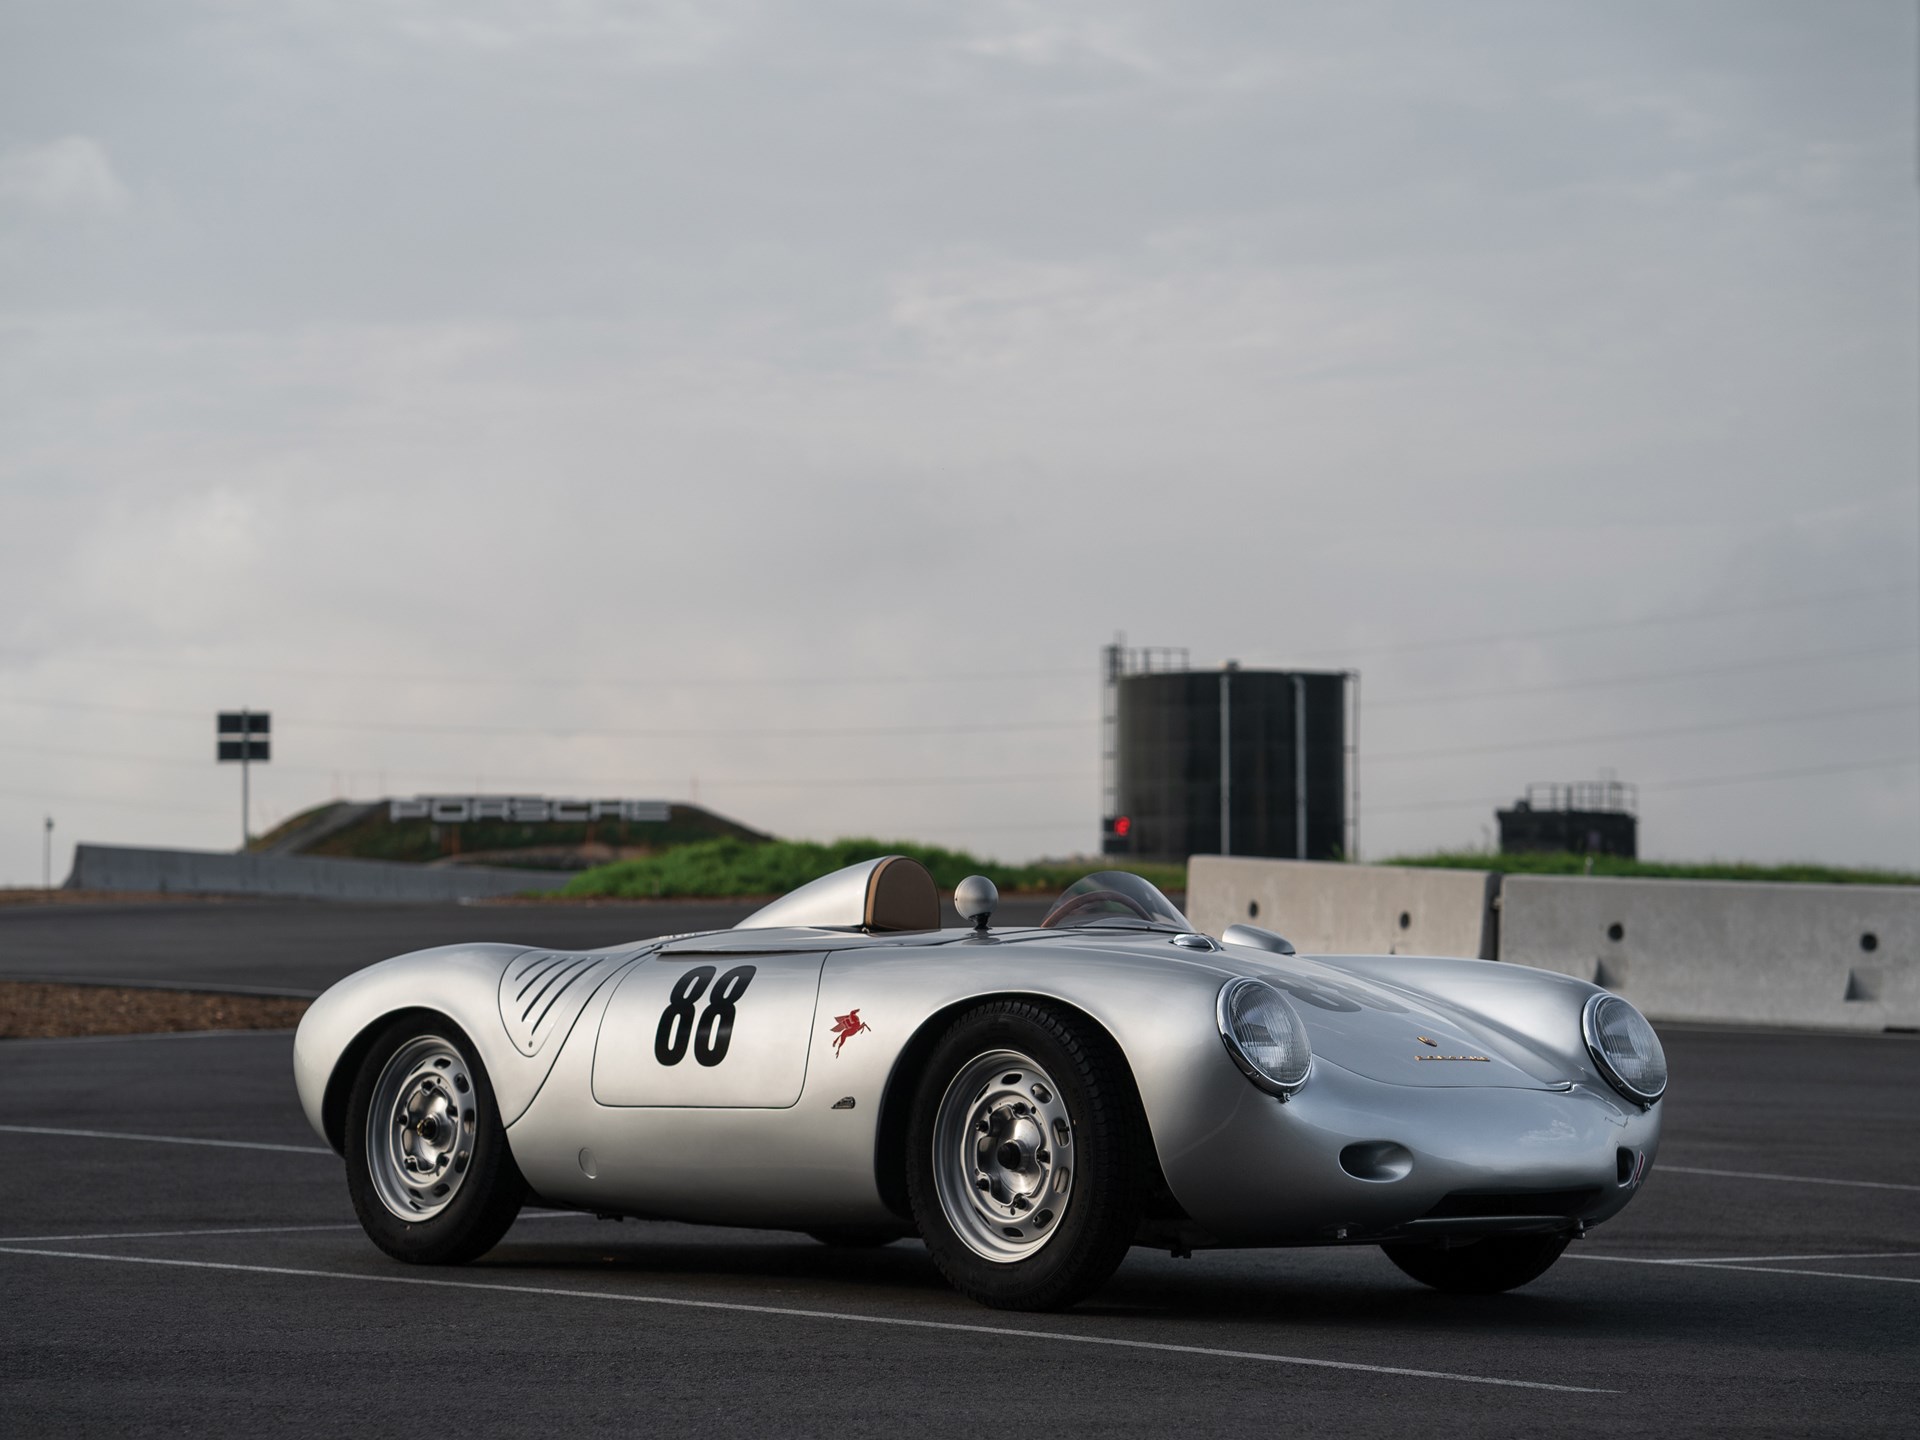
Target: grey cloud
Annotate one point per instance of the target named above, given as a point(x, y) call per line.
point(605, 343)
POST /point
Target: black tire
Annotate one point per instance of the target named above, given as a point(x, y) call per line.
point(1481, 1267)
point(1105, 1143)
point(489, 1191)
point(855, 1237)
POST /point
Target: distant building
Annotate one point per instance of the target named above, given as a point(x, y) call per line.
point(1594, 817)
point(1276, 745)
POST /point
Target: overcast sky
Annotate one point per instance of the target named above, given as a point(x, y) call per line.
point(593, 398)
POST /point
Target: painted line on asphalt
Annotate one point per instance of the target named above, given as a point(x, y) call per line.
point(164, 1139)
point(13, 1041)
point(998, 1332)
point(1794, 1179)
point(174, 1234)
point(1718, 1265)
point(1774, 1259)
point(252, 1229)
point(189, 987)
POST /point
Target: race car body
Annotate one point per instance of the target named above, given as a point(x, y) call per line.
point(1032, 1101)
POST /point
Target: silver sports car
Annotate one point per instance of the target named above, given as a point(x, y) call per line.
point(1031, 1102)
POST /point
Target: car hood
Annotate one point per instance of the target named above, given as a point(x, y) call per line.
point(1394, 1033)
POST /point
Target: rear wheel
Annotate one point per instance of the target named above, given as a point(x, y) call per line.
point(1481, 1267)
point(1025, 1156)
point(432, 1179)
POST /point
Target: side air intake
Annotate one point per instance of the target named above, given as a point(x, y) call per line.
point(542, 992)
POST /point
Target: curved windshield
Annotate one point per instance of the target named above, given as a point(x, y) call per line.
point(1113, 898)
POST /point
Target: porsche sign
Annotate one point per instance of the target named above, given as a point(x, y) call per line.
point(524, 810)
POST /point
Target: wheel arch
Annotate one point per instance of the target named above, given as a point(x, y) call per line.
point(339, 1087)
point(896, 1103)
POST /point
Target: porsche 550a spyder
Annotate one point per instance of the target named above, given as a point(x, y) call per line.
point(1030, 1101)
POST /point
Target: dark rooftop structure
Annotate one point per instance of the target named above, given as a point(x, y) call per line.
point(1595, 817)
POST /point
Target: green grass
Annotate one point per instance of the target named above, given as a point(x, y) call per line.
point(1565, 864)
point(719, 868)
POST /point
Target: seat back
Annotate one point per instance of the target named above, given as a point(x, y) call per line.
point(901, 896)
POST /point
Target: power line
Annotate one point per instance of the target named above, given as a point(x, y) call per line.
point(1697, 783)
point(67, 797)
point(1676, 617)
point(1717, 727)
point(1646, 677)
point(1073, 672)
point(572, 732)
point(462, 777)
point(681, 682)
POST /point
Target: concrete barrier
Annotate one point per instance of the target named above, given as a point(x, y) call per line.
point(219, 872)
point(1326, 908)
point(1840, 956)
point(1829, 956)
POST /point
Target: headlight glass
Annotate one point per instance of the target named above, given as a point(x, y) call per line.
point(1264, 1035)
point(1625, 1048)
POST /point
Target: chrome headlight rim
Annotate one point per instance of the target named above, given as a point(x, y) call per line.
point(1223, 1016)
point(1590, 1031)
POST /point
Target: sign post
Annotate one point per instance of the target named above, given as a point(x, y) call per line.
point(243, 736)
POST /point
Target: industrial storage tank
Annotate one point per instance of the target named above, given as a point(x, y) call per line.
point(1286, 777)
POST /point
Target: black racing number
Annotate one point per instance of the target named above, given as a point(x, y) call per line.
point(676, 1021)
point(715, 1031)
point(710, 1033)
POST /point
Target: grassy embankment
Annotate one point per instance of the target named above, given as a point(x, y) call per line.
point(1607, 865)
point(716, 868)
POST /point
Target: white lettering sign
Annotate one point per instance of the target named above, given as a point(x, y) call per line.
point(525, 810)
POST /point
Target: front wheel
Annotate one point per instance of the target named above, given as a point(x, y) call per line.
point(1025, 1155)
point(1481, 1267)
point(432, 1179)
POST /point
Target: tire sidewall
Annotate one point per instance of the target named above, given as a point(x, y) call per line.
point(1087, 1245)
point(472, 1221)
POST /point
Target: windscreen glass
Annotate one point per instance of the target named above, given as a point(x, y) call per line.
point(1114, 899)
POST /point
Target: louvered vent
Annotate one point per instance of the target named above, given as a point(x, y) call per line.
point(543, 991)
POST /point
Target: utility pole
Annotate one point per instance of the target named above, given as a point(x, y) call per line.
point(1226, 756)
point(1299, 766)
point(46, 859)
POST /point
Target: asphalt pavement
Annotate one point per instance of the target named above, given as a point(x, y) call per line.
point(178, 1254)
point(299, 947)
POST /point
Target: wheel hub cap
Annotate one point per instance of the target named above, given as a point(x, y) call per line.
point(421, 1127)
point(1001, 1146)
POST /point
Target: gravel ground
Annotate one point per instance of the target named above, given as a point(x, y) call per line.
point(30, 1010)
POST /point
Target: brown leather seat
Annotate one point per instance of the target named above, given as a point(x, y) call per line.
point(901, 895)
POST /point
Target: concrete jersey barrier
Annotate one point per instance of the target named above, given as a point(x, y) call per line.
point(1839, 956)
point(1735, 952)
point(1327, 908)
point(219, 872)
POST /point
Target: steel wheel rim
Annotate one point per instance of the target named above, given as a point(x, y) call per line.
point(1002, 1156)
point(421, 1128)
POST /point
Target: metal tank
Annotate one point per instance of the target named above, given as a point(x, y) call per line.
point(1227, 762)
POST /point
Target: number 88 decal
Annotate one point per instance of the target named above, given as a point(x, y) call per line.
point(710, 1033)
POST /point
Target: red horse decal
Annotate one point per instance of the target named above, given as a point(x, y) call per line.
point(845, 1027)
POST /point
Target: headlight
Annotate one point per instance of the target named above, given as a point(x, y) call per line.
point(1264, 1035)
point(1625, 1048)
